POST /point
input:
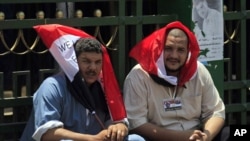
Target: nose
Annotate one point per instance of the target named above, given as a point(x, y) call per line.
point(174, 53)
point(92, 66)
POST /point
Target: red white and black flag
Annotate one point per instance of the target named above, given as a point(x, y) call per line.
point(149, 54)
point(59, 39)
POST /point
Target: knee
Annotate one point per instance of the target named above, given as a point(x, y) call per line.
point(135, 137)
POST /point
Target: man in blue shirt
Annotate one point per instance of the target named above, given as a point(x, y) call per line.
point(60, 113)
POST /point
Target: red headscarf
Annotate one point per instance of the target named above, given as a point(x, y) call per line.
point(148, 51)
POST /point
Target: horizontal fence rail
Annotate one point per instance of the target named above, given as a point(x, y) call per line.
point(90, 21)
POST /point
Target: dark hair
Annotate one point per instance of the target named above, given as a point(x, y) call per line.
point(87, 45)
point(198, 1)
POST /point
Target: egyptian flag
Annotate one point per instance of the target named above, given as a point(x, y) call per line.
point(149, 54)
point(60, 39)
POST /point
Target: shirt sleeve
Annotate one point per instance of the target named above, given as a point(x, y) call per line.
point(48, 107)
point(135, 98)
point(212, 104)
point(43, 128)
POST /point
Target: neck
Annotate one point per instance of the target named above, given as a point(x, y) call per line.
point(176, 74)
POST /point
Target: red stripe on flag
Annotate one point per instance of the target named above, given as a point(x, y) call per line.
point(111, 88)
point(45, 32)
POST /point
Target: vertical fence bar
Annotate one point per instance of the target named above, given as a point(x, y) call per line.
point(1, 98)
point(243, 57)
point(121, 42)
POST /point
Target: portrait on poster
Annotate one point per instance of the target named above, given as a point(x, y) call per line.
point(207, 17)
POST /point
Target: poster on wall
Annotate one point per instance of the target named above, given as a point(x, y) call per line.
point(207, 17)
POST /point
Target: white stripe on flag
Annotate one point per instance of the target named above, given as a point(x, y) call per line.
point(63, 51)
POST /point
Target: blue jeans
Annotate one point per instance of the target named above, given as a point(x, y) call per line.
point(134, 137)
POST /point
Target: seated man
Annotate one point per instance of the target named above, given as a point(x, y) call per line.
point(169, 95)
point(74, 104)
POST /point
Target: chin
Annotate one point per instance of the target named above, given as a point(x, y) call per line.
point(173, 69)
point(90, 81)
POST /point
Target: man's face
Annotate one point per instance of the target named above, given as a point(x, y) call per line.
point(90, 65)
point(202, 9)
point(175, 54)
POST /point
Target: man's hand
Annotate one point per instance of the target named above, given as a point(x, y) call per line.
point(198, 136)
point(117, 131)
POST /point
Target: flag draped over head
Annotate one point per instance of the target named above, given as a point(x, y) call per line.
point(59, 39)
point(149, 53)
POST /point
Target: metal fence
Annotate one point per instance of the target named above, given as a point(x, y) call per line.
point(111, 30)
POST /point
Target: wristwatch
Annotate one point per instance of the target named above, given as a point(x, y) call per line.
point(124, 121)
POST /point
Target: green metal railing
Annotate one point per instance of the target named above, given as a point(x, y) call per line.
point(122, 23)
point(237, 88)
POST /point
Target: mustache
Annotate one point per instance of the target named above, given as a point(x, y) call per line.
point(91, 73)
point(172, 59)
